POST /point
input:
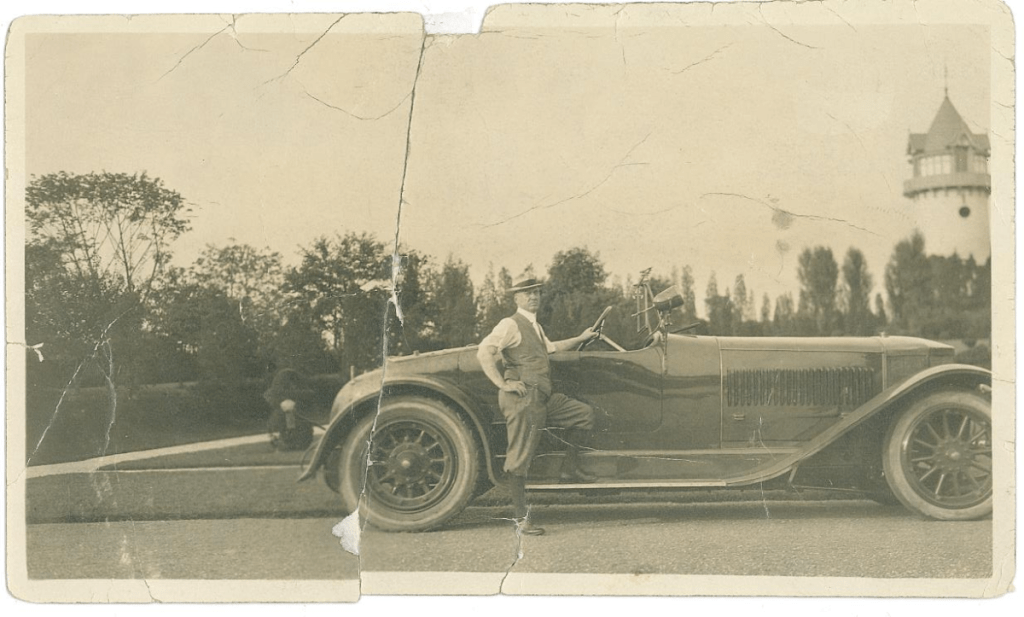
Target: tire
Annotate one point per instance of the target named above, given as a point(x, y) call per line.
point(876, 488)
point(885, 497)
point(938, 456)
point(424, 465)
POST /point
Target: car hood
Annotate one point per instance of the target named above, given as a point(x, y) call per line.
point(893, 345)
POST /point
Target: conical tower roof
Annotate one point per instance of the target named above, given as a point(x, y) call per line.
point(948, 129)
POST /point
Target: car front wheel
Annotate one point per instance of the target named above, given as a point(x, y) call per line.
point(938, 456)
point(409, 467)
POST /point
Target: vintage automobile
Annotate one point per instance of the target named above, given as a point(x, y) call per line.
point(890, 418)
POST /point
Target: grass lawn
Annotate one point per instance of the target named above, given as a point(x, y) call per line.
point(90, 422)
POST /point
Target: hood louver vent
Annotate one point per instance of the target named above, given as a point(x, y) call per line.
point(823, 387)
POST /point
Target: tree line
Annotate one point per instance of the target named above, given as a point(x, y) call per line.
point(110, 309)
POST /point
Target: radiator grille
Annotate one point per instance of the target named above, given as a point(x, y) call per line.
point(847, 386)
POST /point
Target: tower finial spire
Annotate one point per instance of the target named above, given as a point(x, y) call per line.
point(945, 78)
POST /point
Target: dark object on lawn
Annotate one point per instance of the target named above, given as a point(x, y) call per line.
point(291, 401)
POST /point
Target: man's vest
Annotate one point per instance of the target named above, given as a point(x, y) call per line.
point(528, 361)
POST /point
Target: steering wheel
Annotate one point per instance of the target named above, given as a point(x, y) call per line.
point(600, 320)
point(598, 325)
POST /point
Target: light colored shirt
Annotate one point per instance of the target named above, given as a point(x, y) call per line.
point(506, 333)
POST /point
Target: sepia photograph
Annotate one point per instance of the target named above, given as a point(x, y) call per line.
point(660, 299)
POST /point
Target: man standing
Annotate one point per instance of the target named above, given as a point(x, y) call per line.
point(525, 395)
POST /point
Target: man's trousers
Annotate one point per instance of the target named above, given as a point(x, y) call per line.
point(526, 416)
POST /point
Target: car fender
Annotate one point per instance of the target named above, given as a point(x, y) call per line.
point(359, 392)
point(961, 374)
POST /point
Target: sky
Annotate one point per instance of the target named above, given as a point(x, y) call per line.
point(653, 139)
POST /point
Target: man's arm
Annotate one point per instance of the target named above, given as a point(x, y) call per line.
point(576, 341)
point(488, 355)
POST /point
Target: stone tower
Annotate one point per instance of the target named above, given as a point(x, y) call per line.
point(950, 186)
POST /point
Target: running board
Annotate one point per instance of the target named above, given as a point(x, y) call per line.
point(638, 484)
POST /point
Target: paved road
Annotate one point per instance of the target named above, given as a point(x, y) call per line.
point(849, 538)
point(834, 538)
point(275, 549)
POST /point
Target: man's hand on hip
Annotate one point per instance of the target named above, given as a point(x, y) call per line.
point(514, 386)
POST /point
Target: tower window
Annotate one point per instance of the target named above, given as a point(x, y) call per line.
point(935, 165)
point(965, 212)
point(980, 164)
point(961, 159)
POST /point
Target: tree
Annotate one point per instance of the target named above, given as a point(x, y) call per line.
point(720, 310)
point(227, 353)
point(766, 309)
point(298, 344)
point(343, 283)
point(739, 295)
point(494, 302)
point(686, 283)
point(856, 294)
point(70, 316)
point(177, 314)
point(575, 270)
point(97, 242)
point(228, 348)
point(958, 305)
point(574, 293)
point(415, 329)
point(455, 304)
point(783, 320)
point(274, 331)
point(241, 271)
point(712, 289)
point(950, 278)
point(980, 281)
point(880, 315)
point(908, 281)
point(252, 278)
point(980, 299)
point(107, 225)
point(818, 273)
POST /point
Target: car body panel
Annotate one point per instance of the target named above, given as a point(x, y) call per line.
point(364, 393)
point(624, 388)
point(883, 400)
point(684, 411)
point(757, 463)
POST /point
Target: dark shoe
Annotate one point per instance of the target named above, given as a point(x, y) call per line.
point(577, 476)
point(525, 528)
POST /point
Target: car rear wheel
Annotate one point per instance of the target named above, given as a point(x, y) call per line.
point(938, 456)
point(423, 465)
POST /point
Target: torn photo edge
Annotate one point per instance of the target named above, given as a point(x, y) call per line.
point(1003, 192)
